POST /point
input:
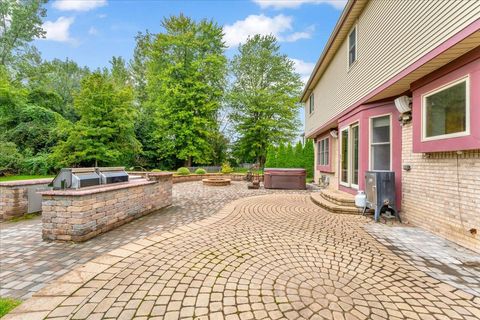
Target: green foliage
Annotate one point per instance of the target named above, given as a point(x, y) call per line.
point(62, 78)
point(104, 135)
point(20, 23)
point(39, 164)
point(7, 304)
point(23, 177)
point(226, 168)
point(271, 161)
point(309, 157)
point(183, 171)
point(200, 171)
point(10, 158)
point(285, 156)
point(282, 156)
point(186, 72)
point(156, 170)
point(119, 72)
point(264, 97)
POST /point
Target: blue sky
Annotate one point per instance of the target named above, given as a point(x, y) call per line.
point(90, 32)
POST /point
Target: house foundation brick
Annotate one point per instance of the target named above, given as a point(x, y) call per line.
point(79, 215)
point(441, 192)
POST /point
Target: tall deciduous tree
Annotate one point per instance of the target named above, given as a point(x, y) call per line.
point(186, 80)
point(104, 135)
point(60, 77)
point(264, 97)
point(20, 23)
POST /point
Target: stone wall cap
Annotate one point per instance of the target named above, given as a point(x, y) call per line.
point(97, 189)
point(30, 182)
point(159, 174)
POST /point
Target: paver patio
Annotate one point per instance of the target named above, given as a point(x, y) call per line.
point(27, 263)
point(266, 257)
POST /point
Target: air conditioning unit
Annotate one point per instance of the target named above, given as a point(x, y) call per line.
point(380, 191)
point(403, 104)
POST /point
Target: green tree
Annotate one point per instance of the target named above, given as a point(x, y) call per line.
point(308, 158)
point(119, 72)
point(60, 77)
point(264, 97)
point(186, 72)
point(282, 156)
point(20, 23)
point(271, 160)
point(298, 155)
point(138, 67)
point(104, 135)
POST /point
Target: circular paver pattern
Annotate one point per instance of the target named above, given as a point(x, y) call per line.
point(265, 257)
point(27, 262)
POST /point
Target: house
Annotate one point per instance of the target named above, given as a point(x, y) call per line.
point(426, 51)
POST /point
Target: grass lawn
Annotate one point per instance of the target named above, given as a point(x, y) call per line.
point(7, 304)
point(22, 177)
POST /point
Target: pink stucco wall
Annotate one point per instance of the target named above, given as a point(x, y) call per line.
point(450, 73)
point(362, 115)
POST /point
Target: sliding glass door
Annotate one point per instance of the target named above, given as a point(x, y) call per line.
point(350, 141)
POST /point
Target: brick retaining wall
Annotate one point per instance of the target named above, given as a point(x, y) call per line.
point(13, 196)
point(78, 215)
point(441, 193)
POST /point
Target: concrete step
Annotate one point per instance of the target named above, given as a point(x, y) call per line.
point(322, 202)
point(337, 197)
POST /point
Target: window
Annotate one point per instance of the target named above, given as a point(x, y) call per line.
point(350, 156)
point(445, 111)
point(344, 162)
point(355, 149)
point(352, 46)
point(323, 152)
point(380, 143)
point(312, 105)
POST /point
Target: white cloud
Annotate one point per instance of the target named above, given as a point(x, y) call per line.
point(93, 31)
point(281, 4)
point(78, 5)
point(303, 68)
point(278, 26)
point(59, 30)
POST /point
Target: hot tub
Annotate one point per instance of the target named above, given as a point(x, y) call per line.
point(280, 178)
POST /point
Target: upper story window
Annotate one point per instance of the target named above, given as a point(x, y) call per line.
point(323, 152)
point(352, 46)
point(311, 103)
point(446, 111)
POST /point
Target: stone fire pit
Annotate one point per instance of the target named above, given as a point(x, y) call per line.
point(216, 182)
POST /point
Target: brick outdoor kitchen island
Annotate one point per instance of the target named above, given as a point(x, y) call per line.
point(78, 215)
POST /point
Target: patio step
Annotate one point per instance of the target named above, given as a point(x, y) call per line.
point(334, 207)
point(338, 197)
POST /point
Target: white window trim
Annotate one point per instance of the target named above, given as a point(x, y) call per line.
point(370, 126)
point(350, 66)
point(342, 130)
point(350, 172)
point(424, 97)
point(310, 111)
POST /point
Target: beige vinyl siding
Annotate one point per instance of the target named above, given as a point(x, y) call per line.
point(392, 34)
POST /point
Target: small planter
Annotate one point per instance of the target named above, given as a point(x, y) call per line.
point(216, 182)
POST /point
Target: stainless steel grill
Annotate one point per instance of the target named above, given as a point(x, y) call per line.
point(75, 178)
point(112, 175)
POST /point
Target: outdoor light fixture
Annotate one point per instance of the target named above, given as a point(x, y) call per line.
point(334, 133)
point(403, 104)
